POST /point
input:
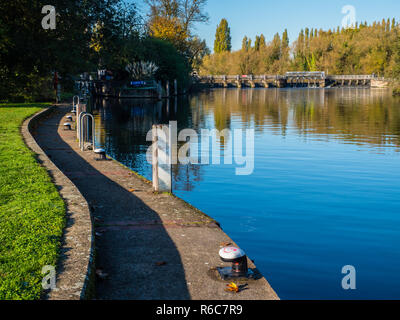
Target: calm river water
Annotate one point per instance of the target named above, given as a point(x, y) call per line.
point(325, 191)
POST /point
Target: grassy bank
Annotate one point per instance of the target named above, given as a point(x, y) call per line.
point(32, 213)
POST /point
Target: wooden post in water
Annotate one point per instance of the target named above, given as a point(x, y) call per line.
point(176, 105)
point(176, 87)
point(167, 88)
point(159, 90)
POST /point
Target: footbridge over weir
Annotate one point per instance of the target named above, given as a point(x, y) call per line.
point(293, 79)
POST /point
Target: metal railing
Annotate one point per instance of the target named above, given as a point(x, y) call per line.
point(83, 131)
point(242, 77)
point(74, 105)
point(289, 75)
point(351, 77)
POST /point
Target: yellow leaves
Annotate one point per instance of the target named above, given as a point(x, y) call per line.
point(232, 287)
point(97, 38)
point(220, 63)
point(168, 29)
point(96, 47)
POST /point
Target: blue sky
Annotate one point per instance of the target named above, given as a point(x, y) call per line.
point(253, 17)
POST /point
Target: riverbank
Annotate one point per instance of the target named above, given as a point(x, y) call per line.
point(148, 246)
point(32, 213)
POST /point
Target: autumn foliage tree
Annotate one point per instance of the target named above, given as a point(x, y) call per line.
point(173, 21)
point(364, 49)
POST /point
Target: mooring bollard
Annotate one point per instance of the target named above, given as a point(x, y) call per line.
point(67, 126)
point(239, 268)
point(69, 118)
point(102, 153)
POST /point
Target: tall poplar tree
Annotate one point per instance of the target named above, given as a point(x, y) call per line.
point(285, 39)
point(262, 42)
point(257, 44)
point(223, 38)
point(246, 44)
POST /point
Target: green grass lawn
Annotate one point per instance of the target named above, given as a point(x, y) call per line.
point(32, 213)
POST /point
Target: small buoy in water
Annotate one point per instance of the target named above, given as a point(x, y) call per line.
point(67, 126)
point(69, 118)
point(101, 152)
point(238, 258)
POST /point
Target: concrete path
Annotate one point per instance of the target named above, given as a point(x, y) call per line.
point(148, 246)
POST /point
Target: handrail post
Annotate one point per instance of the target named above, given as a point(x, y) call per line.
point(78, 113)
point(82, 116)
point(75, 104)
point(156, 185)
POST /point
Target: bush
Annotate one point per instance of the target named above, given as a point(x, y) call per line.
point(396, 90)
point(27, 88)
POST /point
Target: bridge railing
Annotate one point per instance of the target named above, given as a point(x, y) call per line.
point(351, 77)
point(242, 77)
point(290, 75)
point(305, 74)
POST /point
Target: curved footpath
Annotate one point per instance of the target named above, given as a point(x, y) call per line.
point(148, 246)
point(75, 276)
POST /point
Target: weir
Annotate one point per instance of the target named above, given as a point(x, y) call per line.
point(292, 80)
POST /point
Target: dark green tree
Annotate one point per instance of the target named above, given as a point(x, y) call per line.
point(30, 53)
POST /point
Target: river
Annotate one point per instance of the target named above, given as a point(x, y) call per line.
point(324, 193)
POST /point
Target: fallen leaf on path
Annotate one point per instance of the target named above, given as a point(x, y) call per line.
point(225, 244)
point(132, 190)
point(232, 287)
